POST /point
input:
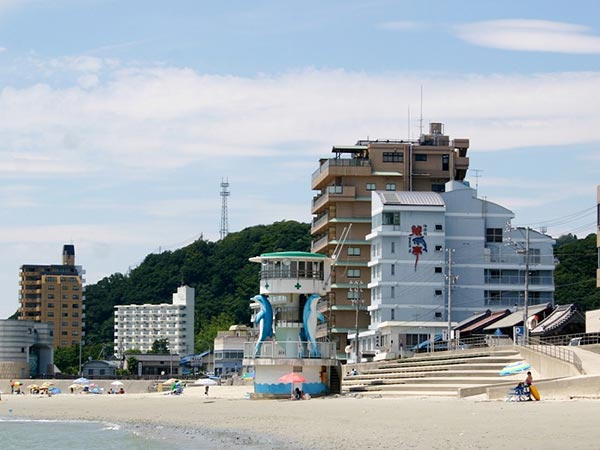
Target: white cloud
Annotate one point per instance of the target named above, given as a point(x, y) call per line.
point(158, 118)
point(531, 35)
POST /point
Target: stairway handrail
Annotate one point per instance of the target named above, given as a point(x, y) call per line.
point(554, 351)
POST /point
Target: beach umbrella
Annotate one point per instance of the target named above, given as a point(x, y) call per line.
point(293, 377)
point(81, 380)
point(205, 382)
point(47, 384)
point(17, 383)
point(117, 383)
point(76, 386)
point(513, 368)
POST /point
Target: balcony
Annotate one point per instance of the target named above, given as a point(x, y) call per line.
point(518, 280)
point(319, 222)
point(339, 167)
point(289, 350)
point(318, 245)
point(333, 194)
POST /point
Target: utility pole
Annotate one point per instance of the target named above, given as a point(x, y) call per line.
point(451, 280)
point(356, 289)
point(526, 296)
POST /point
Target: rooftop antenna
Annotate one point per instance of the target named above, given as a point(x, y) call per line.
point(421, 118)
point(224, 219)
point(477, 172)
point(408, 123)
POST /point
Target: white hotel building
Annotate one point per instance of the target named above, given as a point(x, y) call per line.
point(138, 326)
point(413, 273)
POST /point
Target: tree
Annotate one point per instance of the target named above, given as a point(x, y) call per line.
point(132, 365)
point(160, 347)
point(206, 337)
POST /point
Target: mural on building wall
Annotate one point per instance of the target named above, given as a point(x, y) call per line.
point(310, 318)
point(416, 243)
point(264, 319)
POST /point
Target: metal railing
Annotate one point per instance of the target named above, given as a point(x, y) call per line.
point(554, 351)
point(565, 339)
point(290, 350)
point(348, 162)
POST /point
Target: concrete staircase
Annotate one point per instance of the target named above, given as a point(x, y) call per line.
point(440, 374)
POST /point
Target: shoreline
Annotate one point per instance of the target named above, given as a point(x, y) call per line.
point(226, 419)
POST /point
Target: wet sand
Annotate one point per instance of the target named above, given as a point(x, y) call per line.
point(225, 416)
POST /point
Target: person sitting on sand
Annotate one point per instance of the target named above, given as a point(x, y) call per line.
point(121, 391)
point(297, 394)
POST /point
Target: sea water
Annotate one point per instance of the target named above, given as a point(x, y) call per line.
point(25, 434)
point(33, 434)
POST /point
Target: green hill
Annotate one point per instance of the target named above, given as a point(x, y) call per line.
point(220, 272)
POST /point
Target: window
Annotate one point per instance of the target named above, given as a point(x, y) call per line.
point(65, 314)
point(90, 372)
point(420, 157)
point(435, 187)
point(353, 273)
point(335, 189)
point(438, 227)
point(64, 333)
point(493, 235)
point(393, 314)
point(50, 305)
point(65, 305)
point(393, 157)
point(51, 287)
point(438, 292)
point(50, 313)
point(65, 297)
point(63, 343)
point(64, 324)
point(75, 324)
point(75, 305)
point(102, 371)
point(445, 162)
point(534, 255)
point(390, 186)
point(50, 295)
point(438, 270)
point(353, 251)
point(352, 295)
point(74, 343)
point(65, 287)
point(392, 292)
point(393, 247)
point(74, 333)
point(371, 187)
point(75, 314)
point(75, 288)
point(438, 248)
point(391, 218)
point(393, 269)
point(75, 297)
point(438, 315)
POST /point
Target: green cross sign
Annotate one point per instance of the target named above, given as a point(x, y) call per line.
point(297, 285)
point(267, 285)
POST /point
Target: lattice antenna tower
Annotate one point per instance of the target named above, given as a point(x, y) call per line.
point(224, 218)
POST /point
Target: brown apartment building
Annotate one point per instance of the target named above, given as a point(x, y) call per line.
point(343, 201)
point(54, 294)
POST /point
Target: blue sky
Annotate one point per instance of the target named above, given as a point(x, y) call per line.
point(118, 119)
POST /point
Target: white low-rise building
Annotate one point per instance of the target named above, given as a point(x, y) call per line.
point(139, 326)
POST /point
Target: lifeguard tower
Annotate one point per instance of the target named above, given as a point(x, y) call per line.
point(286, 313)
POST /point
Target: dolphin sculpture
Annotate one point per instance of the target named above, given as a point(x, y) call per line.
point(310, 317)
point(265, 321)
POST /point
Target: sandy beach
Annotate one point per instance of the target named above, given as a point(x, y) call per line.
point(225, 416)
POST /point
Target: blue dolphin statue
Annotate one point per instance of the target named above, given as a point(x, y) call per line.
point(265, 321)
point(310, 316)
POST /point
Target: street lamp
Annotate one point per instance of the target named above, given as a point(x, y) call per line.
point(357, 302)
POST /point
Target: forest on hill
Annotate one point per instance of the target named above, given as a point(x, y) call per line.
point(225, 280)
point(220, 273)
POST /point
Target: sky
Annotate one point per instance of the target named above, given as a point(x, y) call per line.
point(120, 119)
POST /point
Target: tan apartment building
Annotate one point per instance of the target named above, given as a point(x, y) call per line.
point(54, 294)
point(343, 202)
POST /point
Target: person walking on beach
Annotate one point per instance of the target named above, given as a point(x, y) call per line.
point(528, 383)
point(206, 390)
